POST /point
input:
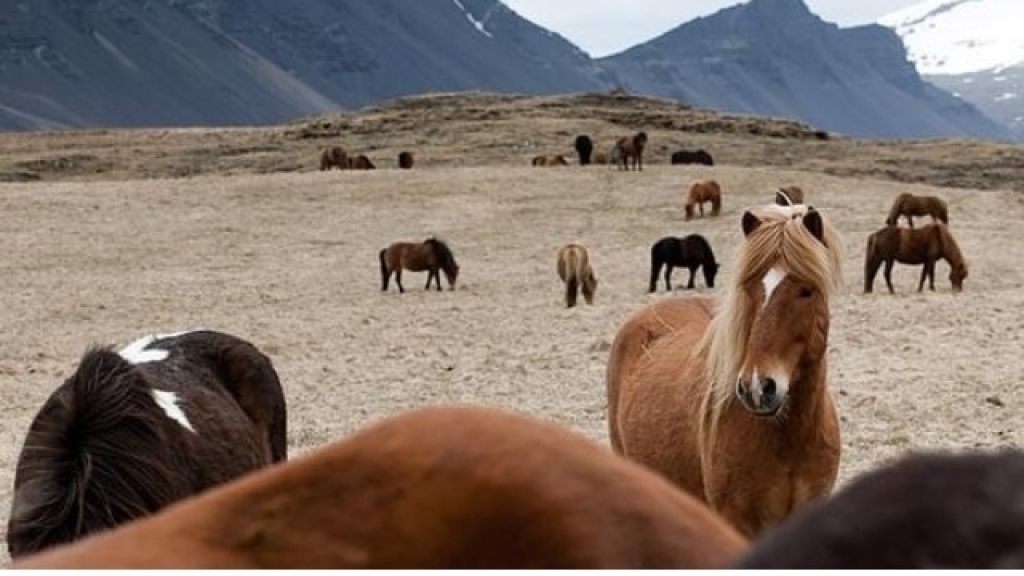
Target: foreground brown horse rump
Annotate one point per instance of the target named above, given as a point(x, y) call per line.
point(446, 487)
point(728, 399)
point(789, 195)
point(575, 271)
point(914, 246)
point(431, 255)
point(934, 511)
point(909, 205)
point(631, 147)
point(334, 157)
point(702, 191)
point(135, 430)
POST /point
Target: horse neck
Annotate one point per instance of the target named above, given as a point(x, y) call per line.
point(950, 250)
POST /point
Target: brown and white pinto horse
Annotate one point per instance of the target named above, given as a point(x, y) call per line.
point(445, 487)
point(729, 399)
point(135, 430)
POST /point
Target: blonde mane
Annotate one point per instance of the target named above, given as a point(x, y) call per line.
point(780, 240)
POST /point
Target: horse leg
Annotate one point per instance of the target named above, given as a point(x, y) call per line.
point(931, 275)
point(430, 276)
point(689, 285)
point(910, 220)
point(924, 274)
point(398, 280)
point(888, 275)
point(437, 279)
point(701, 206)
point(655, 268)
point(668, 277)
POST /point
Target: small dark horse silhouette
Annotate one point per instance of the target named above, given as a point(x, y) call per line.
point(405, 160)
point(584, 148)
point(135, 430)
point(699, 156)
point(431, 255)
point(689, 252)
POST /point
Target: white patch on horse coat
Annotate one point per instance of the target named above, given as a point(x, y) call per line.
point(771, 280)
point(168, 402)
point(137, 352)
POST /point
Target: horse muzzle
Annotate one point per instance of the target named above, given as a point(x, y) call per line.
point(761, 396)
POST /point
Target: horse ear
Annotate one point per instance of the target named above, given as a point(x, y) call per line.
point(749, 223)
point(815, 225)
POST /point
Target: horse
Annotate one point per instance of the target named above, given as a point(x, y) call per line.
point(575, 271)
point(928, 510)
point(699, 156)
point(360, 162)
point(554, 160)
point(599, 157)
point(729, 398)
point(909, 205)
point(631, 147)
point(405, 160)
point(584, 148)
point(702, 191)
point(689, 252)
point(789, 195)
point(432, 255)
point(442, 487)
point(333, 157)
point(914, 246)
point(135, 430)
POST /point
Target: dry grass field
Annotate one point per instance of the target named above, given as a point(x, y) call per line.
point(285, 256)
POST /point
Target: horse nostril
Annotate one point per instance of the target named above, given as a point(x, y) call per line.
point(768, 390)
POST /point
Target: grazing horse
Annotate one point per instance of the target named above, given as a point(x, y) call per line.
point(728, 399)
point(789, 195)
point(437, 488)
point(334, 157)
point(689, 252)
point(699, 156)
point(914, 246)
point(405, 160)
point(934, 511)
point(908, 205)
point(700, 192)
point(135, 430)
point(556, 160)
point(599, 157)
point(584, 148)
point(574, 269)
point(431, 255)
point(631, 147)
point(360, 162)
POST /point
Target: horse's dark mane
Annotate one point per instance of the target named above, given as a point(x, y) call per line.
point(88, 461)
point(444, 254)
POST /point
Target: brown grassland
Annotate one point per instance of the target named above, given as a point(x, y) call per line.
point(112, 234)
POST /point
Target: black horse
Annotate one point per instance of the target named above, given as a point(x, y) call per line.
point(690, 252)
point(584, 147)
point(699, 156)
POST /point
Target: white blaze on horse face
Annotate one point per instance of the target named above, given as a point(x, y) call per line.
point(771, 281)
point(168, 402)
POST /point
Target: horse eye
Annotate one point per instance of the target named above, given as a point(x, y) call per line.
point(806, 292)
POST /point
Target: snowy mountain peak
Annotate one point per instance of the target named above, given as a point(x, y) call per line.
point(960, 36)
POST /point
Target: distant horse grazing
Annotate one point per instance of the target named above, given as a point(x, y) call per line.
point(689, 252)
point(631, 147)
point(908, 205)
point(599, 157)
point(431, 255)
point(729, 399)
point(700, 192)
point(437, 488)
point(405, 160)
point(557, 160)
point(360, 162)
point(699, 156)
point(574, 269)
point(789, 195)
point(334, 157)
point(934, 511)
point(133, 431)
point(584, 148)
point(914, 246)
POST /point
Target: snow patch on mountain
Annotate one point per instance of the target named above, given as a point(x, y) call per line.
point(472, 20)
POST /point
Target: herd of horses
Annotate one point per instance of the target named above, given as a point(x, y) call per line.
point(171, 452)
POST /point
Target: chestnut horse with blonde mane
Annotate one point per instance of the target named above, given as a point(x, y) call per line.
point(575, 271)
point(702, 191)
point(909, 205)
point(443, 487)
point(431, 255)
point(728, 399)
point(914, 246)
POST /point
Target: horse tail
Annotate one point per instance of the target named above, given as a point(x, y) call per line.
point(384, 272)
point(871, 257)
point(87, 463)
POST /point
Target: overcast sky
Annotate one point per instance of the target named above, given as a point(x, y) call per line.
point(603, 27)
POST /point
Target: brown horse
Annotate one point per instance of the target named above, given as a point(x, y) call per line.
point(908, 205)
point(360, 162)
point(631, 147)
point(405, 160)
point(557, 160)
point(599, 157)
point(334, 157)
point(134, 430)
point(914, 246)
point(444, 487)
point(431, 255)
point(728, 399)
point(574, 269)
point(789, 195)
point(700, 192)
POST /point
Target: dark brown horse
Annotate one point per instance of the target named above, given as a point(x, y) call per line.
point(575, 271)
point(135, 430)
point(934, 511)
point(699, 156)
point(360, 162)
point(631, 147)
point(334, 157)
point(405, 160)
point(700, 192)
point(439, 488)
point(556, 160)
point(909, 205)
point(789, 195)
point(584, 148)
point(690, 252)
point(431, 255)
point(914, 246)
